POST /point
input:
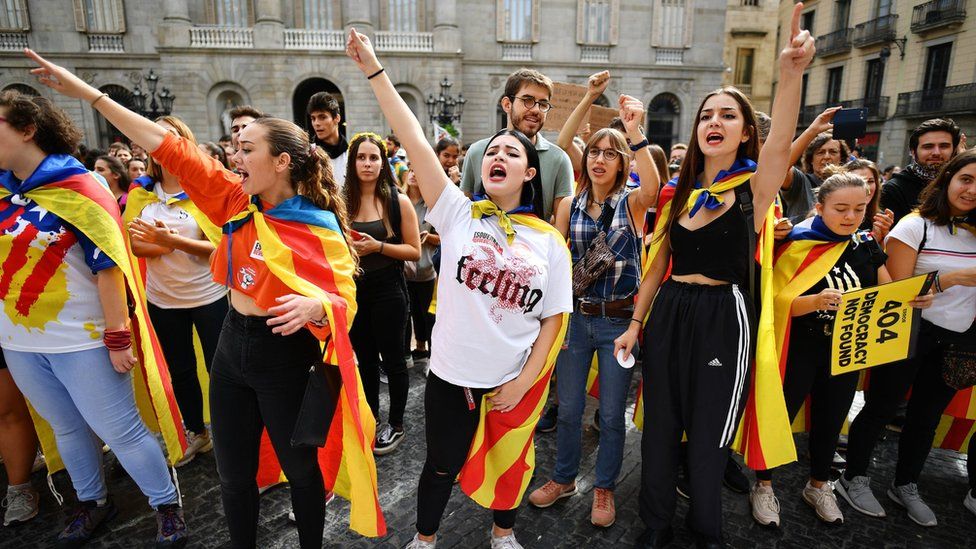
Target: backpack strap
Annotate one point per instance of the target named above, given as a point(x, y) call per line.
point(393, 210)
point(744, 198)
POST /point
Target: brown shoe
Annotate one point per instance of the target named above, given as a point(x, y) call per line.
point(550, 493)
point(603, 513)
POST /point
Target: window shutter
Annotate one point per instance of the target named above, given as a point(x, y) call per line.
point(211, 13)
point(614, 21)
point(535, 21)
point(119, 16)
point(336, 14)
point(80, 24)
point(688, 10)
point(580, 21)
point(298, 9)
point(500, 31)
point(421, 16)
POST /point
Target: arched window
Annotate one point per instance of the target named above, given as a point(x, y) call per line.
point(663, 120)
point(107, 133)
point(305, 90)
point(225, 101)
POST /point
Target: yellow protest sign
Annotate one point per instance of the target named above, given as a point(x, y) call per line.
point(876, 325)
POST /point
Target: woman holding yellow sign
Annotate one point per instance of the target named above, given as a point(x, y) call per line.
point(940, 237)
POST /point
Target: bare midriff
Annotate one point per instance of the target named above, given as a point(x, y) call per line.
point(245, 305)
point(698, 279)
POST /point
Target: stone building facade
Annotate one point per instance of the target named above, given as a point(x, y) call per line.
point(905, 61)
point(750, 49)
point(274, 54)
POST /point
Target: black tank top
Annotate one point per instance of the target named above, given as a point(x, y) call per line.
point(374, 261)
point(719, 250)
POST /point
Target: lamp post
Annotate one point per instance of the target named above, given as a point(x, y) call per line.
point(159, 104)
point(445, 109)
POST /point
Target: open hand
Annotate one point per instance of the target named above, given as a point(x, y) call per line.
point(796, 56)
point(157, 233)
point(360, 49)
point(825, 120)
point(881, 224)
point(507, 396)
point(61, 79)
point(294, 312)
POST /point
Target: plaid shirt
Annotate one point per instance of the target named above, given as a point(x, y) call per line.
point(622, 279)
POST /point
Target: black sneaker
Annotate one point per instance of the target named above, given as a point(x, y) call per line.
point(387, 439)
point(170, 526)
point(734, 479)
point(547, 423)
point(83, 521)
point(683, 486)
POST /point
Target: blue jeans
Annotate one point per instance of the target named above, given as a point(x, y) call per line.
point(81, 396)
point(589, 334)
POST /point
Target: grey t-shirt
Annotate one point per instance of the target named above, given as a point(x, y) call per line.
point(557, 172)
point(798, 200)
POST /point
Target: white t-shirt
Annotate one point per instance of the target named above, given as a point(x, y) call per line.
point(339, 169)
point(178, 280)
point(491, 296)
point(47, 282)
point(955, 308)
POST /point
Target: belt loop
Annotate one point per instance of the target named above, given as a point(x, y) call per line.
point(603, 308)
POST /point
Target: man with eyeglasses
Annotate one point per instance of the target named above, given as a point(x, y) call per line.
point(526, 101)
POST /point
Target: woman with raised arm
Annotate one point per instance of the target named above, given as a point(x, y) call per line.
point(701, 329)
point(502, 305)
point(604, 208)
point(285, 258)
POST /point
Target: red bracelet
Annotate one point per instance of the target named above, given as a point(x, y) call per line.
point(117, 340)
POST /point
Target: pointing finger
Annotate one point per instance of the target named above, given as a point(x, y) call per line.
point(795, 24)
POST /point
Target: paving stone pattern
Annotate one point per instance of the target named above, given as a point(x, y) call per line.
point(566, 524)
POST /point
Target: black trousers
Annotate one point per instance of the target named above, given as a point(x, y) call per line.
point(808, 374)
point(378, 332)
point(174, 327)
point(699, 351)
point(420, 294)
point(450, 429)
point(887, 386)
point(258, 380)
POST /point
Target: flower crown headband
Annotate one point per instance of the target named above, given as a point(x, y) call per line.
point(367, 135)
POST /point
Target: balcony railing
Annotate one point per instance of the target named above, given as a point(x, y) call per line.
point(669, 56)
point(312, 39)
point(836, 42)
point(594, 54)
point(105, 43)
point(404, 41)
point(937, 13)
point(877, 108)
point(515, 51)
point(13, 41)
point(221, 37)
point(875, 31)
point(938, 101)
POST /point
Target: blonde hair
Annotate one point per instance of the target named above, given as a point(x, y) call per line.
point(153, 169)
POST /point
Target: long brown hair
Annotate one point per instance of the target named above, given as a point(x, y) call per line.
point(660, 163)
point(153, 169)
point(385, 184)
point(694, 162)
point(934, 202)
point(310, 170)
point(618, 143)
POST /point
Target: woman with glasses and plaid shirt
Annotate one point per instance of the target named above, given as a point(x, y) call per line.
point(603, 208)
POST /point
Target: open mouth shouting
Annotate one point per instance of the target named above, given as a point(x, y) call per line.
point(497, 173)
point(714, 138)
point(243, 173)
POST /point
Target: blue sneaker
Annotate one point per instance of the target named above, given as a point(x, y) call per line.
point(547, 423)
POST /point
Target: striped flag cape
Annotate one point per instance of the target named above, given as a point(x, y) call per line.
point(767, 439)
point(65, 188)
point(304, 247)
point(141, 194)
point(502, 455)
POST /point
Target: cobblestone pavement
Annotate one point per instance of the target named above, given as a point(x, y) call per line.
point(566, 524)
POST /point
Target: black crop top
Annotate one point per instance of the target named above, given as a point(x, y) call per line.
point(719, 250)
point(374, 261)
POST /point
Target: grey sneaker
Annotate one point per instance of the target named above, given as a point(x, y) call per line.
point(504, 542)
point(824, 502)
point(417, 543)
point(907, 496)
point(21, 505)
point(195, 444)
point(765, 506)
point(970, 502)
point(858, 494)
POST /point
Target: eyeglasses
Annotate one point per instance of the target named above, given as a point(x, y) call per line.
point(530, 102)
point(608, 154)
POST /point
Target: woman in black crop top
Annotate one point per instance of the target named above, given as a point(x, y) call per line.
point(381, 291)
point(700, 332)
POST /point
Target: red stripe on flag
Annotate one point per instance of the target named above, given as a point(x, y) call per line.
point(16, 259)
point(43, 271)
point(957, 433)
point(510, 482)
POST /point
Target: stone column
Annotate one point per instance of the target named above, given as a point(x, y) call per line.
point(357, 13)
point(447, 36)
point(269, 27)
point(174, 31)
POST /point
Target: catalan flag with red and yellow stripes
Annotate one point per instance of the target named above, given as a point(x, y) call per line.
point(66, 189)
point(501, 459)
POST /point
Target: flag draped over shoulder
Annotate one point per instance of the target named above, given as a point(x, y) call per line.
point(502, 455)
point(65, 188)
point(303, 246)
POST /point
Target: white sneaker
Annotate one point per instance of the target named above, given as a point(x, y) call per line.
point(417, 543)
point(505, 542)
point(195, 444)
point(824, 502)
point(329, 496)
point(20, 505)
point(765, 506)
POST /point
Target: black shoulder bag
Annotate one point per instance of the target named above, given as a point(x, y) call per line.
point(318, 405)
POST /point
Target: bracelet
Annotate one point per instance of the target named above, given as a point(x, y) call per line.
point(117, 340)
point(637, 320)
point(639, 146)
point(381, 247)
point(97, 99)
point(938, 284)
point(375, 74)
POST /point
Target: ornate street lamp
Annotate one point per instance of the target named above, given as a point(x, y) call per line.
point(445, 108)
point(159, 104)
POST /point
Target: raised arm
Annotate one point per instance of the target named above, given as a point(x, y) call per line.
point(774, 158)
point(631, 114)
point(430, 175)
point(823, 123)
point(596, 85)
